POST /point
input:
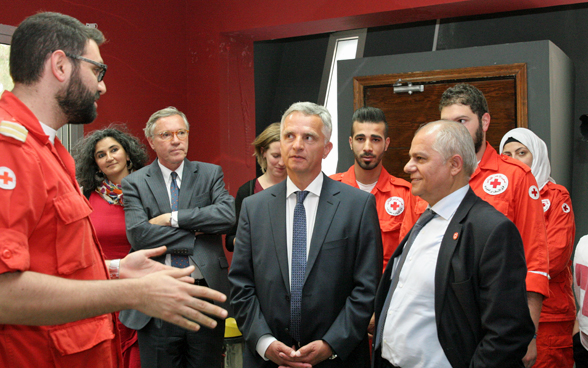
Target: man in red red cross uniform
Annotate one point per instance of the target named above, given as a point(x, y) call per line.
point(394, 201)
point(510, 187)
point(56, 302)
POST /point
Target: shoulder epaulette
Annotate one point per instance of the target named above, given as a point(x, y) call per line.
point(515, 162)
point(14, 130)
point(399, 181)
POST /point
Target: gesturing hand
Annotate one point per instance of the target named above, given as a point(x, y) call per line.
point(138, 264)
point(163, 295)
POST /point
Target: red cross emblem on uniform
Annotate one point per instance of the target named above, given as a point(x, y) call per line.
point(534, 192)
point(495, 184)
point(7, 178)
point(565, 208)
point(394, 206)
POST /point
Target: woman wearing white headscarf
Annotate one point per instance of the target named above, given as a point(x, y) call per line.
point(554, 337)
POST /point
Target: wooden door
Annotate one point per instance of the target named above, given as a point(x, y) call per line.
point(504, 87)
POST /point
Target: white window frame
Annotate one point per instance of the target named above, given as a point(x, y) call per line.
point(329, 77)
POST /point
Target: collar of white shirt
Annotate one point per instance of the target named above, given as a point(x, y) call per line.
point(314, 187)
point(49, 131)
point(167, 173)
point(447, 206)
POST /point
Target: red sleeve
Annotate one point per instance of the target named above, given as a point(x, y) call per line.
point(530, 221)
point(561, 230)
point(22, 204)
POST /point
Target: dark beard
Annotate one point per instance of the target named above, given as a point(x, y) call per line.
point(77, 102)
point(369, 166)
point(479, 138)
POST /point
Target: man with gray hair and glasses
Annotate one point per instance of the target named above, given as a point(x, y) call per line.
point(182, 204)
point(453, 295)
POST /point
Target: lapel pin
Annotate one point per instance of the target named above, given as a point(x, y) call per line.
point(455, 235)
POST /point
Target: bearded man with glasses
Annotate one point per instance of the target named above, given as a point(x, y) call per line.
point(182, 204)
point(57, 301)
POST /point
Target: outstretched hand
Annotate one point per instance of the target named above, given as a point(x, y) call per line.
point(138, 264)
point(165, 295)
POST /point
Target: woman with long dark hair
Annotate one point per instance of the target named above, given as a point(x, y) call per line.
point(103, 158)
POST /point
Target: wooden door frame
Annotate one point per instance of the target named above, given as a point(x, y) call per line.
point(517, 71)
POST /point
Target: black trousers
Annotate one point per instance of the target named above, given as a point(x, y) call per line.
point(580, 353)
point(165, 345)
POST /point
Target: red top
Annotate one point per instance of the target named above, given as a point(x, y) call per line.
point(395, 205)
point(45, 227)
point(109, 222)
point(561, 229)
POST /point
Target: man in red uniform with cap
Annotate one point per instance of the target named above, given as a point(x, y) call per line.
point(394, 201)
point(510, 187)
point(50, 316)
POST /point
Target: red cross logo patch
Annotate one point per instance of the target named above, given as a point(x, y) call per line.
point(534, 192)
point(546, 204)
point(565, 208)
point(7, 178)
point(394, 206)
point(495, 184)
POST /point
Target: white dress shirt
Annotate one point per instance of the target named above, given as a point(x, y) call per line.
point(310, 207)
point(167, 179)
point(410, 331)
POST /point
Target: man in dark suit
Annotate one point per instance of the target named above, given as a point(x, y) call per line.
point(457, 297)
point(182, 204)
point(310, 308)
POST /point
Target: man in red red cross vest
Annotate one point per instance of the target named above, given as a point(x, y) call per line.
point(394, 201)
point(510, 187)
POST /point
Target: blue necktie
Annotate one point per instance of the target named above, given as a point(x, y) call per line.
point(298, 264)
point(422, 221)
point(179, 261)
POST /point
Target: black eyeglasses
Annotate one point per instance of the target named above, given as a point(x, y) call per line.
point(102, 67)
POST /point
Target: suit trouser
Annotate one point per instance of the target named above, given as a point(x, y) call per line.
point(165, 345)
point(580, 353)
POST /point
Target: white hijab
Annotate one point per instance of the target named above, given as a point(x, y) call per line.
point(540, 167)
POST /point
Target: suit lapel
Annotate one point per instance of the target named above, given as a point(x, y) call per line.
point(277, 212)
point(154, 180)
point(448, 245)
point(189, 176)
point(325, 214)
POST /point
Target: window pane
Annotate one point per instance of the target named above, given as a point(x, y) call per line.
point(345, 49)
point(5, 79)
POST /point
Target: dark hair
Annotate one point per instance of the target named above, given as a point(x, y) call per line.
point(465, 94)
point(40, 35)
point(83, 153)
point(369, 114)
